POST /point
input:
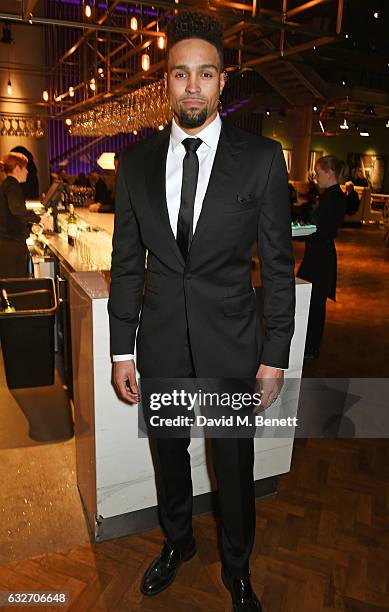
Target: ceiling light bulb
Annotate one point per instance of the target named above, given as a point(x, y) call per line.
point(344, 125)
point(45, 95)
point(68, 121)
point(387, 124)
point(160, 127)
point(376, 15)
point(88, 10)
point(145, 61)
point(364, 134)
point(135, 132)
point(9, 87)
point(100, 70)
point(71, 92)
point(315, 108)
point(134, 23)
point(161, 42)
point(92, 84)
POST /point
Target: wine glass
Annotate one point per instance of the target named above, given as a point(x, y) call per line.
point(39, 130)
point(12, 131)
point(31, 128)
point(18, 131)
point(25, 130)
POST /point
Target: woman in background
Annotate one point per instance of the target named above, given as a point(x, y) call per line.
point(319, 265)
point(31, 186)
point(14, 217)
point(360, 179)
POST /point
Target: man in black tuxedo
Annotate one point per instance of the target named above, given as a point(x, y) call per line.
point(197, 197)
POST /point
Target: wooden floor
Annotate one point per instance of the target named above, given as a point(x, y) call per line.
point(356, 337)
point(322, 543)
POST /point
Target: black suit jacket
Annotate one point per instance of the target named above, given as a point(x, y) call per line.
point(210, 299)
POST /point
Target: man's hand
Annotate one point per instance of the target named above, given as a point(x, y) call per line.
point(269, 383)
point(124, 376)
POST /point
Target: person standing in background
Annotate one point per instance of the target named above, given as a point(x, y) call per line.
point(360, 179)
point(102, 201)
point(319, 264)
point(109, 205)
point(14, 217)
point(31, 186)
point(353, 201)
point(62, 174)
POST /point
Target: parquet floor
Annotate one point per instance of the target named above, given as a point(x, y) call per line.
point(356, 337)
point(322, 543)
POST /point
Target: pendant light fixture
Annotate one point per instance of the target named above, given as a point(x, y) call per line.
point(87, 9)
point(9, 84)
point(145, 61)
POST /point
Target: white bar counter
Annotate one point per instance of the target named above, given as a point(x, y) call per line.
point(114, 467)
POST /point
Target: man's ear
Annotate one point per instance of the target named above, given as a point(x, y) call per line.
point(222, 81)
point(165, 79)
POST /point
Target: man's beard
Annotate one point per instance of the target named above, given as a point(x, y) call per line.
point(192, 118)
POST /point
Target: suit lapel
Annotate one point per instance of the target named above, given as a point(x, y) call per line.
point(225, 169)
point(156, 188)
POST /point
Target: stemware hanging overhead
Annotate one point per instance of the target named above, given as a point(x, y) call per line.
point(21, 125)
point(145, 107)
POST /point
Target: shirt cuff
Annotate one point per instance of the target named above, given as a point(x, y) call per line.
point(283, 369)
point(123, 357)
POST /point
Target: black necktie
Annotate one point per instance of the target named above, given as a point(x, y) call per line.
point(190, 172)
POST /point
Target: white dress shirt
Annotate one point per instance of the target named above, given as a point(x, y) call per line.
point(174, 163)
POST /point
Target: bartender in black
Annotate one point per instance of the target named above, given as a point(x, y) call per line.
point(14, 217)
point(103, 201)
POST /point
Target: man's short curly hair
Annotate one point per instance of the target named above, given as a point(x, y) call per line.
point(194, 24)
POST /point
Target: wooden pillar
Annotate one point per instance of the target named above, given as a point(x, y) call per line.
point(300, 131)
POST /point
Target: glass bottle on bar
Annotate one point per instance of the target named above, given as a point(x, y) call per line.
point(72, 226)
point(6, 304)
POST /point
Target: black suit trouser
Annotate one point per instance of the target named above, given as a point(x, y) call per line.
point(233, 463)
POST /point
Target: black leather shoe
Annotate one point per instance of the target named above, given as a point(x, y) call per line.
point(243, 597)
point(164, 568)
